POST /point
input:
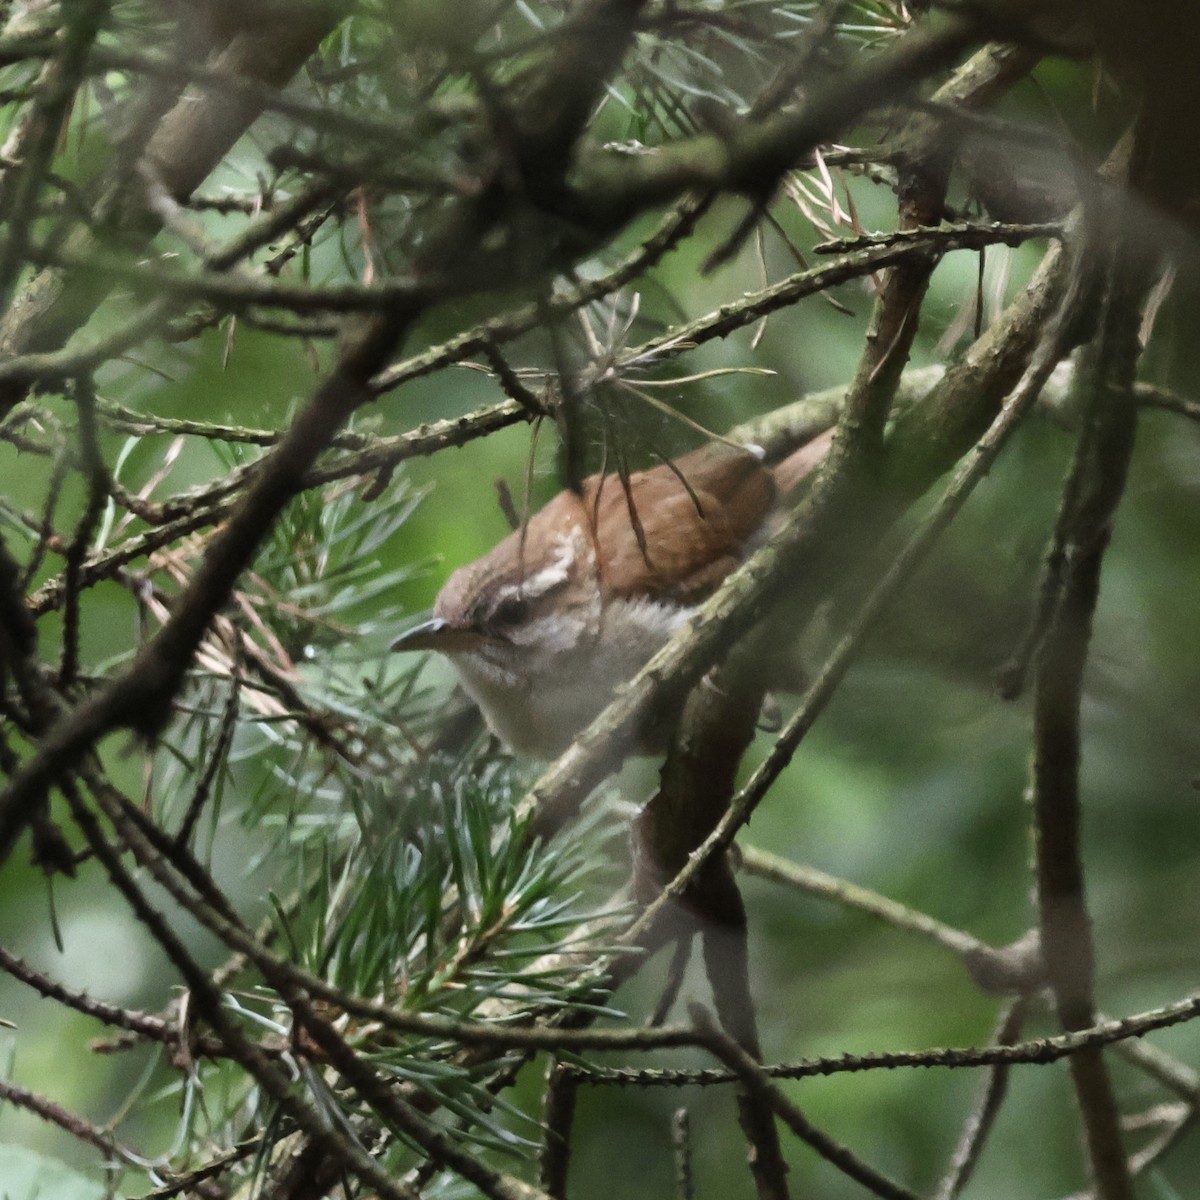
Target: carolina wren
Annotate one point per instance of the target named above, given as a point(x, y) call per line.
point(545, 627)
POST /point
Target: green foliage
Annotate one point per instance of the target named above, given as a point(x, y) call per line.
point(418, 912)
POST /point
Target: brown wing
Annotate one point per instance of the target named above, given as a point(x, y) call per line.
point(803, 462)
point(693, 534)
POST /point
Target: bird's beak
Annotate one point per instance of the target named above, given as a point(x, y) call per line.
point(438, 635)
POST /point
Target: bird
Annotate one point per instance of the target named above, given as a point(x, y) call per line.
point(544, 628)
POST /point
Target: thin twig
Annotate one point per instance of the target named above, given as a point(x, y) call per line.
point(982, 1118)
point(1014, 968)
point(154, 1028)
point(97, 479)
point(1036, 1051)
point(756, 1080)
point(77, 1126)
point(558, 1113)
point(681, 1153)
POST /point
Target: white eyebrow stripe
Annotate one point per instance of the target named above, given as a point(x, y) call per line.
point(555, 574)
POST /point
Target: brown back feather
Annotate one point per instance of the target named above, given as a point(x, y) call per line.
point(801, 463)
point(693, 534)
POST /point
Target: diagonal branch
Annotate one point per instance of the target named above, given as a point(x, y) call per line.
point(140, 697)
point(757, 1082)
point(185, 146)
point(1054, 344)
point(609, 189)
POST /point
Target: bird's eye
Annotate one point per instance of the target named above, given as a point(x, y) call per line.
point(511, 611)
